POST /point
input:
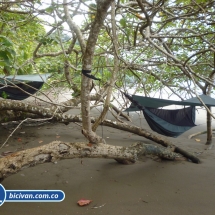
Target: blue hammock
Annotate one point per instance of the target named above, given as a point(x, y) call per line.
point(171, 123)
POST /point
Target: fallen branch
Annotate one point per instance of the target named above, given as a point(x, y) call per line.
point(58, 150)
point(158, 139)
point(67, 118)
point(198, 133)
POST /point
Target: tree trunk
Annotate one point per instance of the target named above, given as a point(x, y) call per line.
point(209, 128)
point(209, 118)
point(113, 73)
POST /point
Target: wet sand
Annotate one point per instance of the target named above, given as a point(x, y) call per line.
point(149, 187)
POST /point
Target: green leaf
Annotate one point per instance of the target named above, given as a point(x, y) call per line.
point(122, 22)
point(50, 9)
point(5, 58)
point(10, 53)
point(7, 68)
point(4, 95)
point(5, 41)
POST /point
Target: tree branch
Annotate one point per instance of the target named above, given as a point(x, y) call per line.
point(58, 150)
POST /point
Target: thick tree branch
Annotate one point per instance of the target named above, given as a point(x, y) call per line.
point(57, 150)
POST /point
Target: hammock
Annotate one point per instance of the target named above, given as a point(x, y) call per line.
point(20, 87)
point(156, 103)
point(171, 123)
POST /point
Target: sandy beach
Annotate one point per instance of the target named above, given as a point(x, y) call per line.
point(149, 187)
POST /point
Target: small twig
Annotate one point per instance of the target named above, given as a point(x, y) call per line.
point(22, 123)
point(78, 124)
point(13, 132)
point(116, 116)
point(198, 133)
point(95, 207)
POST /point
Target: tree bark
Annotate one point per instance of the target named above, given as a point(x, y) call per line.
point(102, 8)
point(209, 118)
point(12, 115)
point(209, 128)
point(113, 73)
point(57, 150)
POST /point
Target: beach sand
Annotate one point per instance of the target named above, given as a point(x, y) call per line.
point(149, 187)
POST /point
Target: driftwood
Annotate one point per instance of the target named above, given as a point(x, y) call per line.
point(58, 150)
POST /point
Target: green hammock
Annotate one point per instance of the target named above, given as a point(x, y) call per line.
point(170, 123)
point(20, 87)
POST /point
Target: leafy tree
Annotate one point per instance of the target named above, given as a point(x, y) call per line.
point(149, 45)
